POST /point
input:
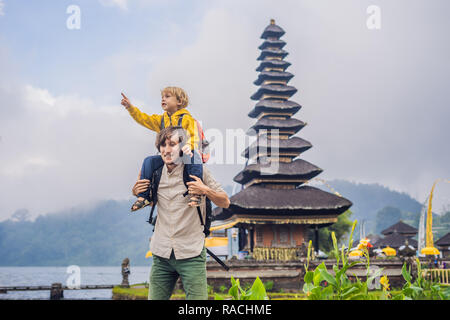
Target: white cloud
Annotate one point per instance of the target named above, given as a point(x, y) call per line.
point(62, 150)
point(375, 103)
point(2, 5)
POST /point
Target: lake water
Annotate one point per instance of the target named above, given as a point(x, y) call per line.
point(45, 276)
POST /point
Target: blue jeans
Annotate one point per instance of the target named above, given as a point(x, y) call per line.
point(194, 166)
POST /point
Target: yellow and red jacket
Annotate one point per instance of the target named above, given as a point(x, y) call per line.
point(153, 122)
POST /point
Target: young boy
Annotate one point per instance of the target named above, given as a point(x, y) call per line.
point(174, 101)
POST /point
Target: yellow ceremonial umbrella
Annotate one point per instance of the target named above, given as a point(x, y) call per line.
point(389, 251)
point(430, 251)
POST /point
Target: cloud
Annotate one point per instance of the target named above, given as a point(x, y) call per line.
point(376, 102)
point(58, 151)
point(2, 5)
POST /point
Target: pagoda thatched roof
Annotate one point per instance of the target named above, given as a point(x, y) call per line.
point(272, 89)
point(273, 64)
point(444, 241)
point(272, 53)
point(400, 227)
point(267, 105)
point(305, 200)
point(272, 31)
point(296, 170)
point(395, 240)
point(293, 144)
point(272, 44)
point(291, 124)
point(273, 75)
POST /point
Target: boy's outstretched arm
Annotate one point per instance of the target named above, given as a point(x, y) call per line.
point(151, 122)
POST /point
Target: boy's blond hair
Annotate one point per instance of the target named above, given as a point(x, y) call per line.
point(179, 93)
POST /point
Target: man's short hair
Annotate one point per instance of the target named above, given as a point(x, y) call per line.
point(179, 93)
point(167, 133)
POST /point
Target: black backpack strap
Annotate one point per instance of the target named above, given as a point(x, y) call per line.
point(162, 126)
point(206, 223)
point(156, 178)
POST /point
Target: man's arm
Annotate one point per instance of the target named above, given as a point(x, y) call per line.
point(220, 198)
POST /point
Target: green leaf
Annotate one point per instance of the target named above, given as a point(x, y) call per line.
point(309, 277)
point(218, 297)
point(358, 297)
point(327, 277)
point(307, 287)
point(347, 293)
point(258, 291)
point(326, 293)
point(317, 276)
point(234, 290)
point(406, 274)
point(400, 296)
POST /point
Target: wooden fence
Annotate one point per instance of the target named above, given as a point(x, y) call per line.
point(437, 275)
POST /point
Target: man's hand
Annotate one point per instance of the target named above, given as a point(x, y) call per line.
point(197, 187)
point(219, 198)
point(140, 186)
point(125, 101)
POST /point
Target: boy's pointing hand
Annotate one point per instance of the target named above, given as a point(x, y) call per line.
point(125, 101)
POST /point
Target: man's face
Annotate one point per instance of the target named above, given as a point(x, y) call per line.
point(169, 102)
point(170, 149)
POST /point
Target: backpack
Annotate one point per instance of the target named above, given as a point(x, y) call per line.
point(156, 177)
point(204, 144)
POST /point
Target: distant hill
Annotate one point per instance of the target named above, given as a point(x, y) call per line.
point(103, 234)
point(369, 199)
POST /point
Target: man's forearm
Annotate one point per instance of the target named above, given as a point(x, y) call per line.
point(220, 199)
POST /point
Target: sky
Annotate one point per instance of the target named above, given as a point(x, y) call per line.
point(375, 100)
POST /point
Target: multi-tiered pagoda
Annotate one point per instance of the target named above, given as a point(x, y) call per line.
point(274, 209)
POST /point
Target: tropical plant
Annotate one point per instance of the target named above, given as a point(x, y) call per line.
point(421, 288)
point(256, 292)
point(321, 284)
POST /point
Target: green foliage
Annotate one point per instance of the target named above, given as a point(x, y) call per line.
point(256, 292)
point(420, 288)
point(341, 228)
point(268, 285)
point(100, 235)
point(320, 284)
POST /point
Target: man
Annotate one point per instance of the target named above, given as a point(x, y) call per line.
point(178, 240)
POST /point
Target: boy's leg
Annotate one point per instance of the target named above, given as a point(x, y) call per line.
point(149, 165)
point(193, 276)
point(195, 168)
point(163, 278)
